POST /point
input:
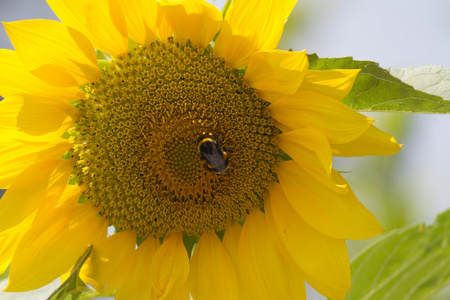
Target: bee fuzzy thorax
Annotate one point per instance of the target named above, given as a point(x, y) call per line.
point(216, 157)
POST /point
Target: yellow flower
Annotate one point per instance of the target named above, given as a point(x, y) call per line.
point(176, 136)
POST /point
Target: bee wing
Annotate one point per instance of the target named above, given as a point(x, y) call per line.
point(215, 159)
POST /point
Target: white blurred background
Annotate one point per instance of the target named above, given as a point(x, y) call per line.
point(410, 187)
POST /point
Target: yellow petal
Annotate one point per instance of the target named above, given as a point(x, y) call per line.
point(334, 83)
point(250, 26)
point(265, 273)
point(170, 266)
point(310, 109)
point(138, 284)
point(101, 21)
point(53, 52)
point(8, 245)
point(16, 79)
point(230, 242)
point(281, 126)
point(194, 20)
point(110, 262)
point(29, 118)
point(141, 17)
point(329, 207)
point(164, 29)
point(53, 245)
point(17, 156)
point(323, 260)
point(65, 275)
point(181, 292)
point(38, 187)
point(275, 73)
point(71, 195)
point(9, 240)
point(212, 273)
point(307, 147)
point(290, 4)
point(371, 142)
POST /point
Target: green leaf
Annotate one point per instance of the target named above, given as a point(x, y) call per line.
point(428, 79)
point(411, 263)
point(375, 89)
point(73, 286)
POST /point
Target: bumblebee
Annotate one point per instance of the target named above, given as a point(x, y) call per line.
point(216, 157)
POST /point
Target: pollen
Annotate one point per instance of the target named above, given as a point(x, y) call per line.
point(135, 142)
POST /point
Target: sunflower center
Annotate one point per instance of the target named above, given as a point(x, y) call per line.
point(137, 142)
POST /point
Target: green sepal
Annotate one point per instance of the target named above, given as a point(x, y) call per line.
point(73, 180)
point(66, 135)
point(242, 71)
point(74, 286)
point(283, 157)
point(375, 89)
point(220, 234)
point(5, 274)
point(225, 8)
point(103, 61)
point(82, 199)
point(140, 240)
point(189, 243)
point(102, 55)
point(103, 65)
point(67, 155)
point(224, 12)
point(132, 45)
point(411, 263)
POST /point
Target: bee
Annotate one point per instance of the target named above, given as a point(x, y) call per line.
point(216, 157)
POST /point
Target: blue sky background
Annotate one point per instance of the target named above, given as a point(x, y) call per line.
point(412, 186)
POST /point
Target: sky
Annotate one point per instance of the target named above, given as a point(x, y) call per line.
point(395, 33)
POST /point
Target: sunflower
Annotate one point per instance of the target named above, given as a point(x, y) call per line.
point(176, 126)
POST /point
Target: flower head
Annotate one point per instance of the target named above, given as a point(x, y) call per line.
point(171, 137)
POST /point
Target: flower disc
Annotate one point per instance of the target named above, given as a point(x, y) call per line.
point(136, 142)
